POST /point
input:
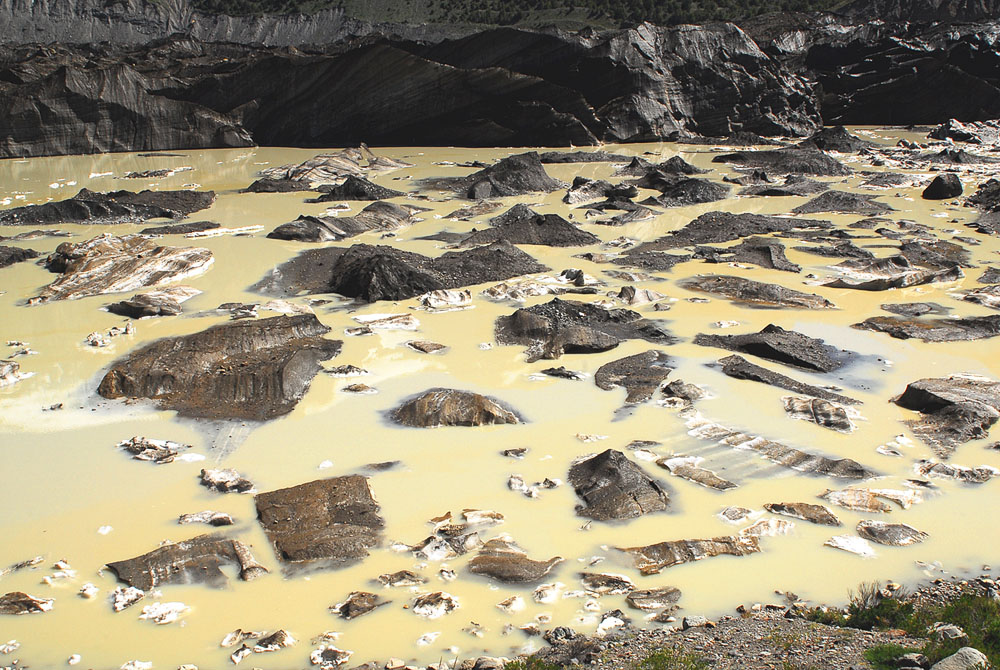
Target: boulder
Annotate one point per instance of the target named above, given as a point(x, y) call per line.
point(835, 138)
point(18, 602)
point(515, 175)
point(377, 217)
point(640, 374)
point(254, 369)
point(11, 255)
point(373, 273)
point(450, 407)
point(684, 191)
point(806, 511)
point(165, 302)
point(752, 292)
point(987, 296)
point(914, 309)
point(954, 409)
point(568, 327)
point(891, 534)
point(686, 467)
point(92, 208)
point(714, 227)
point(882, 274)
point(738, 367)
point(843, 202)
point(504, 561)
point(934, 330)
point(613, 487)
point(584, 190)
point(606, 584)
point(942, 187)
point(782, 346)
point(324, 523)
point(787, 161)
point(966, 658)
point(858, 500)
point(653, 558)
point(653, 599)
point(973, 132)
point(109, 264)
point(358, 603)
point(195, 561)
point(356, 188)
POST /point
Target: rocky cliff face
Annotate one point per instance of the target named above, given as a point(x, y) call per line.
point(235, 81)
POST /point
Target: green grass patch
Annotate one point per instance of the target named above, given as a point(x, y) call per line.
point(530, 663)
point(883, 656)
point(669, 659)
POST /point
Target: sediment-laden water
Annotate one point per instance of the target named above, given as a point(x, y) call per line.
point(70, 494)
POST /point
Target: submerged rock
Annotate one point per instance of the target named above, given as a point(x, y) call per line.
point(738, 367)
point(606, 584)
point(789, 457)
point(753, 292)
point(821, 412)
point(250, 369)
point(653, 599)
point(763, 251)
point(806, 511)
point(782, 346)
point(503, 560)
point(843, 202)
point(714, 227)
point(373, 273)
point(92, 208)
point(324, 523)
point(195, 561)
point(225, 480)
point(568, 327)
point(934, 330)
point(450, 407)
point(891, 534)
point(653, 558)
point(787, 161)
point(17, 602)
point(954, 409)
point(109, 264)
point(640, 374)
point(613, 487)
point(378, 216)
point(165, 302)
point(687, 467)
point(881, 274)
point(858, 500)
point(914, 309)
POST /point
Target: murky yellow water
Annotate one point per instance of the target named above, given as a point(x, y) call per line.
point(63, 479)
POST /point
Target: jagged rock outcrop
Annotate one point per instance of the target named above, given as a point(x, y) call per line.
point(250, 369)
point(373, 273)
point(953, 409)
point(195, 561)
point(782, 346)
point(449, 407)
point(324, 523)
point(738, 367)
point(357, 188)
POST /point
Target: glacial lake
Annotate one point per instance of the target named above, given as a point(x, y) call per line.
point(70, 494)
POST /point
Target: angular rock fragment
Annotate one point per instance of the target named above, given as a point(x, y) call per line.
point(891, 534)
point(987, 296)
point(934, 330)
point(843, 202)
point(914, 309)
point(523, 226)
point(583, 190)
point(434, 605)
point(782, 346)
point(17, 602)
point(225, 480)
point(329, 657)
point(358, 603)
point(789, 457)
point(794, 185)
point(11, 255)
point(503, 560)
point(753, 292)
point(942, 187)
point(653, 599)
point(401, 578)
point(324, 523)
point(124, 597)
point(567, 327)
point(613, 487)
point(379, 217)
point(208, 516)
point(195, 561)
point(835, 138)
point(821, 412)
point(687, 467)
point(954, 409)
point(653, 558)
point(684, 191)
point(851, 544)
point(787, 161)
point(450, 407)
point(356, 188)
point(740, 368)
point(373, 273)
point(185, 228)
point(165, 302)
point(640, 374)
point(514, 175)
point(806, 511)
point(978, 475)
point(162, 613)
point(109, 264)
point(92, 208)
point(252, 369)
point(582, 157)
point(157, 451)
point(277, 640)
point(714, 227)
point(331, 168)
point(606, 584)
point(763, 251)
point(858, 500)
point(881, 274)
